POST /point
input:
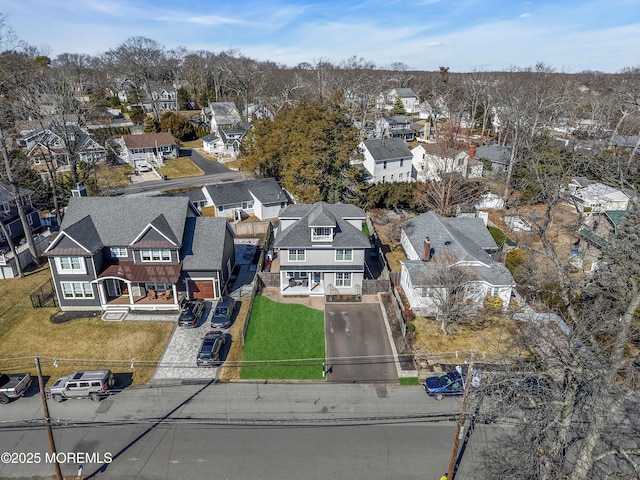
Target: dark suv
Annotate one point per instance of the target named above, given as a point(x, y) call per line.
point(191, 312)
point(209, 354)
point(223, 312)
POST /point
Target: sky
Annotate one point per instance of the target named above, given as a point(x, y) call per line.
point(465, 35)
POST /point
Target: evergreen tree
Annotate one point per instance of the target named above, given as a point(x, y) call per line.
point(398, 107)
point(308, 149)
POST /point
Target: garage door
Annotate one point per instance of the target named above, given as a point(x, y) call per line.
point(201, 289)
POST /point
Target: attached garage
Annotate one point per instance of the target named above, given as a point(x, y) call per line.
point(201, 289)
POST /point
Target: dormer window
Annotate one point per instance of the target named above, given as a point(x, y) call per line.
point(321, 234)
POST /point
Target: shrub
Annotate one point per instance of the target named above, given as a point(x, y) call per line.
point(514, 259)
point(411, 326)
point(492, 305)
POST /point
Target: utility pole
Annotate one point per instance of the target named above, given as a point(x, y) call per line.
point(47, 421)
point(465, 397)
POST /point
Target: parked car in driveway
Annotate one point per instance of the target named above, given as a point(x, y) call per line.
point(223, 313)
point(191, 312)
point(450, 384)
point(209, 354)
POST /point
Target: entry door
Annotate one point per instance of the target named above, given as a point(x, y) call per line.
point(316, 278)
point(113, 288)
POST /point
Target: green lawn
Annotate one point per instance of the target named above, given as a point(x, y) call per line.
point(285, 340)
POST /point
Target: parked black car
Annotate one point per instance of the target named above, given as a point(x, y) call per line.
point(191, 313)
point(223, 312)
point(209, 354)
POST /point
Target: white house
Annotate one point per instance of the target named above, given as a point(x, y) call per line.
point(149, 149)
point(598, 197)
point(433, 243)
point(431, 161)
point(386, 160)
point(409, 99)
point(261, 197)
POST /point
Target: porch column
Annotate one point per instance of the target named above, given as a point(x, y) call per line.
point(131, 299)
point(175, 293)
point(101, 293)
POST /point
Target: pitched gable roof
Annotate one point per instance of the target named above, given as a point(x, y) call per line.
point(387, 148)
point(463, 238)
point(203, 246)
point(149, 140)
point(265, 190)
point(119, 221)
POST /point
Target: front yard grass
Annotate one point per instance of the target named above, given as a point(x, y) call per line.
point(28, 332)
point(278, 332)
point(497, 337)
point(180, 168)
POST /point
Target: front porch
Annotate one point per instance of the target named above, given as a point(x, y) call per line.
point(143, 303)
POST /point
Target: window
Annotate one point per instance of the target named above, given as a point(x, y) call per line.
point(400, 175)
point(246, 205)
point(30, 219)
point(7, 207)
point(343, 279)
point(401, 161)
point(296, 255)
point(155, 255)
point(344, 255)
point(495, 291)
point(321, 234)
point(118, 252)
point(220, 208)
point(159, 286)
point(76, 289)
point(70, 265)
point(384, 164)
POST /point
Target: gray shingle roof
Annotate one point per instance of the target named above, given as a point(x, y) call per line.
point(494, 153)
point(387, 148)
point(298, 235)
point(6, 195)
point(266, 190)
point(463, 238)
point(119, 220)
point(203, 243)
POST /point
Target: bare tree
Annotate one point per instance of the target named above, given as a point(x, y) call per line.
point(445, 195)
point(451, 290)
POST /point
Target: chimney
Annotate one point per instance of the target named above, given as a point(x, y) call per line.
point(472, 151)
point(426, 250)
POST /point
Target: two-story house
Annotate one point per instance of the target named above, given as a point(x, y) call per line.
point(409, 99)
point(432, 161)
point(164, 96)
point(10, 217)
point(397, 126)
point(146, 253)
point(148, 149)
point(321, 249)
point(433, 243)
point(226, 142)
point(57, 146)
point(221, 115)
point(386, 160)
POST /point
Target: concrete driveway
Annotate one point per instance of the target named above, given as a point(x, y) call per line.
point(357, 344)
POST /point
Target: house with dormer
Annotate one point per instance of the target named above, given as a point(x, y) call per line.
point(433, 243)
point(321, 249)
point(58, 146)
point(138, 253)
point(164, 97)
point(221, 116)
point(397, 126)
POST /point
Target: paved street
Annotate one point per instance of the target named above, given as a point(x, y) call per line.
point(245, 431)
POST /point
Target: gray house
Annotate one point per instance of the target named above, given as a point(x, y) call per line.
point(321, 249)
point(138, 253)
point(433, 243)
point(498, 156)
point(9, 214)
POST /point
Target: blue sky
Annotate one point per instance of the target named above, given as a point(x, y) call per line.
point(466, 35)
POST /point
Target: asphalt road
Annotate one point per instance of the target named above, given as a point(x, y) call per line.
point(243, 431)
